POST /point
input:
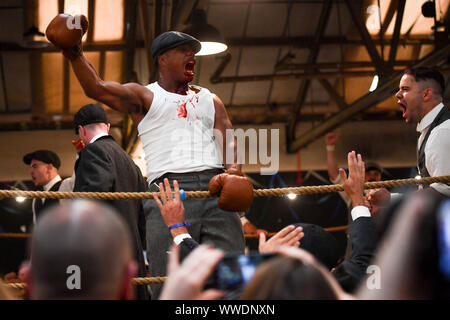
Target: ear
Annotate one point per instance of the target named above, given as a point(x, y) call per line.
point(25, 276)
point(50, 167)
point(162, 59)
point(427, 94)
point(108, 126)
point(127, 288)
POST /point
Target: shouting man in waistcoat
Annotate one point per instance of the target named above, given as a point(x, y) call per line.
point(420, 95)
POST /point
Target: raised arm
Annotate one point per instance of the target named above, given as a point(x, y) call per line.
point(330, 140)
point(66, 32)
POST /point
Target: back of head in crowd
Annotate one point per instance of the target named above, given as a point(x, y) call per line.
point(431, 270)
point(90, 121)
point(320, 243)
point(286, 278)
point(81, 250)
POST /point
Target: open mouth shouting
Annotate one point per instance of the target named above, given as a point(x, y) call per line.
point(403, 106)
point(189, 70)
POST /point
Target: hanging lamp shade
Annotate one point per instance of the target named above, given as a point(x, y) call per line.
point(34, 39)
point(211, 39)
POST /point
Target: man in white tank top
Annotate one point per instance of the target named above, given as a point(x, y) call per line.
point(166, 113)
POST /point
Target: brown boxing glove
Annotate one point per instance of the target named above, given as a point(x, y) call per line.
point(236, 191)
point(65, 32)
point(78, 144)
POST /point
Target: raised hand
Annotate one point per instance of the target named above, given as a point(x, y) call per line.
point(354, 183)
point(170, 205)
point(186, 281)
point(331, 138)
point(288, 236)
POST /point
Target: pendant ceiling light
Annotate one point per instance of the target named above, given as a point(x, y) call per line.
point(34, 39)
point(211, 39)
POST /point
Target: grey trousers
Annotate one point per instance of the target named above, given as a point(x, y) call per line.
point(208, 223)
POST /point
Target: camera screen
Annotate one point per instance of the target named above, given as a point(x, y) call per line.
point(234, 271)
point(443, 226)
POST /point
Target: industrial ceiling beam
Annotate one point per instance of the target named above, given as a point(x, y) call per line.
point(294, 42)
point(354, 7)
point(334, 96)
point(383, 92)
point(181, 13)
point(388, 17)
point(337, 65)
point(396, 35)
point(130, 18)
point(312, 57)
point(287, 76)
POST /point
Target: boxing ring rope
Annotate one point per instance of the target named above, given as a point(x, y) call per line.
point(135, 281)
point(247, 235)
point(202, 194)
point(277, 192)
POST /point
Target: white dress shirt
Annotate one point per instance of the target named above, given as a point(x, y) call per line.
point(437, 149)
point(95, 138)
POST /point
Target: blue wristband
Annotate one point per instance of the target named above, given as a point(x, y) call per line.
point(176, 225)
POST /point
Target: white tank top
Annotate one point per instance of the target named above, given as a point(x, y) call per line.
point(177, 133)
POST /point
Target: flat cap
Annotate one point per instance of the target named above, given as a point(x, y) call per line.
point(91, 113)
point(373, 166)
point(46, 156)
point(172, 39)
point(320, 243)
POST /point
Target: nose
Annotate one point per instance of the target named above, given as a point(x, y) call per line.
point(190, 52)
point(398, 94)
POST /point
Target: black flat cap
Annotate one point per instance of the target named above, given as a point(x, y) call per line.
point(373, 166)
point(320, 243)
point(46, 156)
point(91, 113)
point(172, 39)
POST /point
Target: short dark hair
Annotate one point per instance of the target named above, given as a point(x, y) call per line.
point(424, 73)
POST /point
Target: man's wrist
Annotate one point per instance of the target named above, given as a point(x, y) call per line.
point(179, 238)
point(358, 201)
point(178, 225)
point(330, 147)
point(177, 231)
point(360, 211)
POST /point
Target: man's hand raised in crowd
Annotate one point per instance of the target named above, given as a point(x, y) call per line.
point(288, 236)
point(171, 206)
point(354, 183)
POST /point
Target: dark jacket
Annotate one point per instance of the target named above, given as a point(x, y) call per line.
point(39, 206)
point(103, 166)
point(364, 239)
